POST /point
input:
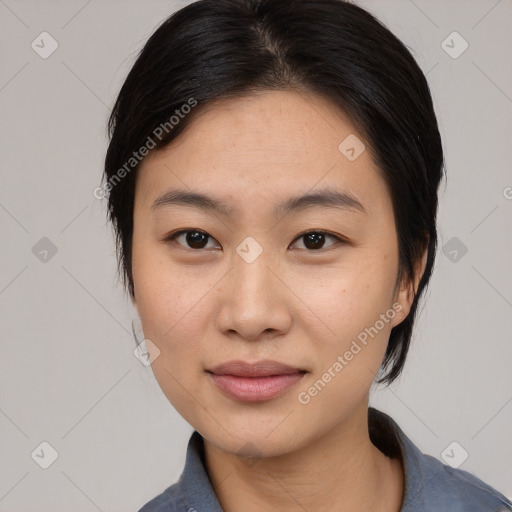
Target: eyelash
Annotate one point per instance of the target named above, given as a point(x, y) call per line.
point(339, 240)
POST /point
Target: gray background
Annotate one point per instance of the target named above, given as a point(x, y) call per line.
point(68, 375)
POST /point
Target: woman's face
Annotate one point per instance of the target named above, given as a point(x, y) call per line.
point(259, 282)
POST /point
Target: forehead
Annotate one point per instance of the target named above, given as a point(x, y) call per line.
point(274, 144)
point(290, 125)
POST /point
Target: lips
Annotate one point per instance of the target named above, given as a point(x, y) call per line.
point(264, 368)
point(254, 382)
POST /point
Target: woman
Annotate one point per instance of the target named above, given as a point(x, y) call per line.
point(272, 179)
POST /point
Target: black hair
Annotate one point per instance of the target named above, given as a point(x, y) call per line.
point(220, 49)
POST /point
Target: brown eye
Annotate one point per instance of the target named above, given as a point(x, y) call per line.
point(315, 240)
point(191, 239)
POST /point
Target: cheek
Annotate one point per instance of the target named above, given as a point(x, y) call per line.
point(172, 309)
point(169, 301)
point(173, 318)
point(349, 358)
point(350, 301)
point(350, 295)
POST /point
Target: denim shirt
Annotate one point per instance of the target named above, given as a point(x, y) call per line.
point(430, 485)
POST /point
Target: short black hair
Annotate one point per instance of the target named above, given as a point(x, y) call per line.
point(220, 49)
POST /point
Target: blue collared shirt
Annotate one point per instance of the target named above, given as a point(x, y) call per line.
point(430, 485)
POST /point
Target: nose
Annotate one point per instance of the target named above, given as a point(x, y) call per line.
point(255, 303)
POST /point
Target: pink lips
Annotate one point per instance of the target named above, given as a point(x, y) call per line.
point(254, 382)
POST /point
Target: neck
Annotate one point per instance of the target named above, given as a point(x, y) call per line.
point(340, 471)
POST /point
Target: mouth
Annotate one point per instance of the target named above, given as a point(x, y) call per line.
point(254, 382)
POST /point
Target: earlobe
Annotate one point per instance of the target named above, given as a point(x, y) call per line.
point(403, 302)
point(421, 270)
point(408, 289)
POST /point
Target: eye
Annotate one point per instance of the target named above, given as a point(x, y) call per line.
point(196, 239)
point(315, 240)
point(190, 239)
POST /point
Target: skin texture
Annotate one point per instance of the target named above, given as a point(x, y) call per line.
point(293, 304)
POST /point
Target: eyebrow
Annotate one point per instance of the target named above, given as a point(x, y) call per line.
point(326, 198)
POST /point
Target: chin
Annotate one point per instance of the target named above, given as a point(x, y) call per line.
point(254, 439)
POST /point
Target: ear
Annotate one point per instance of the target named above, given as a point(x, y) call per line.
point(406, 291)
